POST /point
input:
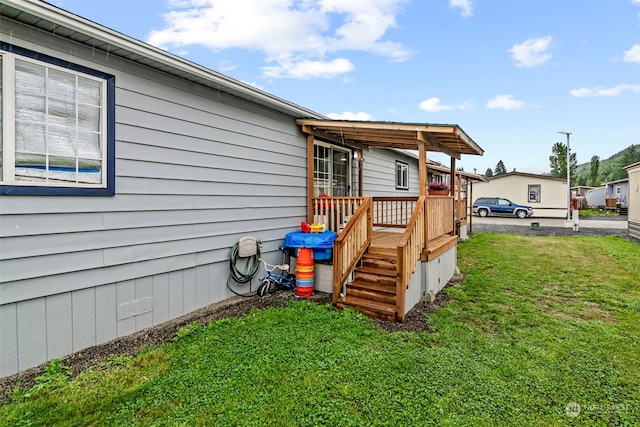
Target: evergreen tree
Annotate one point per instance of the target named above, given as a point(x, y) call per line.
point(595, 166)
point(558, 161)
point(500, 168)
point(488, 173)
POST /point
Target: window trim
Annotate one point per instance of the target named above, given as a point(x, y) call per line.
point(539, 193)
point(404, 170)
point(109, 128)
point(330, 172)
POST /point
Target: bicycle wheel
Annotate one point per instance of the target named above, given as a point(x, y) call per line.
point(264, 287)
point(291, 278)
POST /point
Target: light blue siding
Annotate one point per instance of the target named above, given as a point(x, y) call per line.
point(59, 327)
point(84, 318)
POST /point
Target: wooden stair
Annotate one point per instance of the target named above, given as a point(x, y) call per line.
point(373, 290)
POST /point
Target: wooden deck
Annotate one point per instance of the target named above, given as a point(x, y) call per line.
point(386, 239)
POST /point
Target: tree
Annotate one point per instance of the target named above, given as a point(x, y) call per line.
point(593, 172)
point(630, 156)
point(488, 173)
point(500, 168)
point(558, 161)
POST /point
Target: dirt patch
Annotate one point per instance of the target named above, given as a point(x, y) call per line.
point(94, 357)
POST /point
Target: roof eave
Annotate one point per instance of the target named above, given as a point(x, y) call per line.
point(82, 25)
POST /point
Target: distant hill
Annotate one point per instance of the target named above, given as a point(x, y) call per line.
point(610, 169)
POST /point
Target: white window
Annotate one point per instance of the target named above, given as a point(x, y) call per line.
point(54, 127)
point(331, 171)
point(534, 193)
point(402, 176)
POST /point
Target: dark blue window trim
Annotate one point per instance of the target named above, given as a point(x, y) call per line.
point(110, 190)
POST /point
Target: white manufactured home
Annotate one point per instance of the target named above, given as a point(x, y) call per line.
point(547, 195)
point(129, 173)
point(634, 200)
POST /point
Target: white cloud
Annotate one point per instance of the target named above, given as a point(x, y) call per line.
point(599, 91)
point(306, 69)
point(434, 105)
point(287, 32)
point(505, 102)
point(531, 52)
point(464, 5)
point(347, 115)
point(633, 54)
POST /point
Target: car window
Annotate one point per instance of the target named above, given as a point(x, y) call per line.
point(480, 201)
point(491, 201)
point(503, 202)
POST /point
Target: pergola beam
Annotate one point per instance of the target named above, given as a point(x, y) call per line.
point(423, 137)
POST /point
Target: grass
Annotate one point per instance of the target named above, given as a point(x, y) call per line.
point(597, 212)
point(538, 323)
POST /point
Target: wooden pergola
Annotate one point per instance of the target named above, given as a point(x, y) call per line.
point(363, 135)
point(427, 223)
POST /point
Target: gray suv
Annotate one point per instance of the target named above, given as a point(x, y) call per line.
point(485, 206)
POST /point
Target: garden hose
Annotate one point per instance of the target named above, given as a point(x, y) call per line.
point(253, 266)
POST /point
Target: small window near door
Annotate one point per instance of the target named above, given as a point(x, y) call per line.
point(402, 176)
point(534, 193)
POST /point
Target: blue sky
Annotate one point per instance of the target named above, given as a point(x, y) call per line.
point(511, 73)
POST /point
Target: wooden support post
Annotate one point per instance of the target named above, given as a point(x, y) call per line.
point(423, 191)
point(310, 177)
point(360, 174)
point(459, 209)
point(470, 206)
point(452, 179)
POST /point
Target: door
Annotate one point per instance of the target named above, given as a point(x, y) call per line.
point(332, 166)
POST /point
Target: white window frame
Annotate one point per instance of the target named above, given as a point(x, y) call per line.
point(8, 182)
point(530, 193)
point(330, 172)
point(402, 175)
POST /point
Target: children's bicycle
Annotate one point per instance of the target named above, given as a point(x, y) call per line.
point(278, 277)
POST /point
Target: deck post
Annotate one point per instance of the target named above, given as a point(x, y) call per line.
point(452, 179)
point(422, 169)
point(459, 209)
point(310, 174)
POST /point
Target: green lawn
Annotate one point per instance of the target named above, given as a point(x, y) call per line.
point(538, 323)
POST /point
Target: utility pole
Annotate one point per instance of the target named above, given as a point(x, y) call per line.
point(568, 176)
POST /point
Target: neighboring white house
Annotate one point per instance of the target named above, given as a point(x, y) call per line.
point(547, 195)
point(634, 199)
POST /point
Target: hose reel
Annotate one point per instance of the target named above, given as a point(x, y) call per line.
point(248, 248)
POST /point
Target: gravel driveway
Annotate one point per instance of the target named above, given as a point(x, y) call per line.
point(587, 226)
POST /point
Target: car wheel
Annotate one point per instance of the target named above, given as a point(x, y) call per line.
point(521, 214)
point(483, 212)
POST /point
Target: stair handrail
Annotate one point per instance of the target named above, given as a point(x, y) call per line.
point(351, 244)
point(409, 249)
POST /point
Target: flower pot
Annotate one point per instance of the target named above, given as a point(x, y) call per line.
point(433, 192)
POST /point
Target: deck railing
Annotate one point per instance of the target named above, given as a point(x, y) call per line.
point(440, 214)
point(461, 209)
point(351, 244)
point(332, 211)
point(409, 251)
point(393, 211)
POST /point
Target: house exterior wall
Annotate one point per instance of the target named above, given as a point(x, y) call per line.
point(596, 197)
point(618, 190)
point(379, 174)
point(196, 169)
point(634, 201)
point(553, 193)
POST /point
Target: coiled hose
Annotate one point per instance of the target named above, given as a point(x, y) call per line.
point(253, 265)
